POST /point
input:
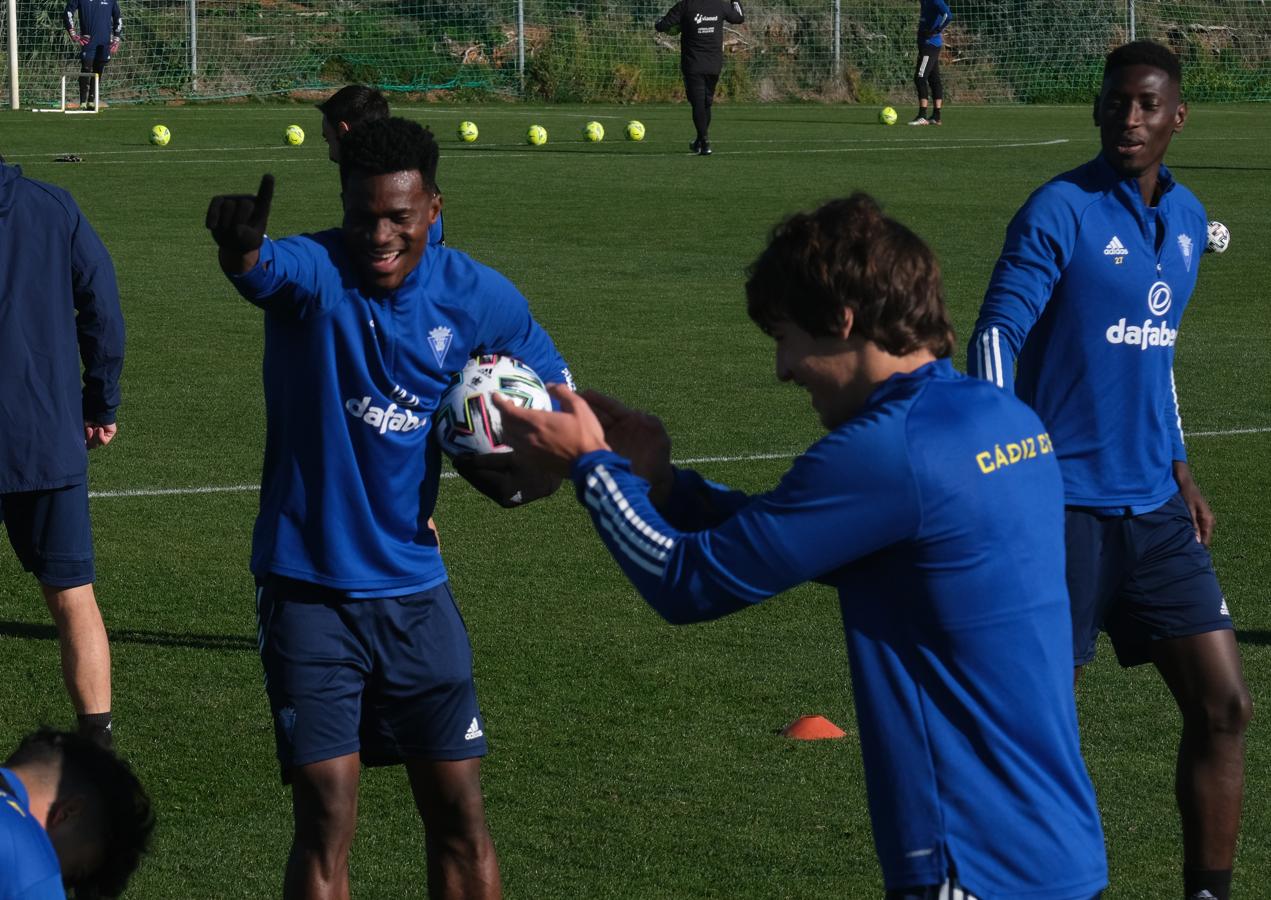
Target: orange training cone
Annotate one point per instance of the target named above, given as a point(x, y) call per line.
point(813, 728)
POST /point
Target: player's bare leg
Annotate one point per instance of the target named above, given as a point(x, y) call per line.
point(461, 858)
point(81, 635)
point(324, 804)
point(1204, 674)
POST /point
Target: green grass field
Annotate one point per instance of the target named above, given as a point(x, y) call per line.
point(630, 759)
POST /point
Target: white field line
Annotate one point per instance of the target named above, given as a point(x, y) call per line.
point(886, 145)
point(750, 457)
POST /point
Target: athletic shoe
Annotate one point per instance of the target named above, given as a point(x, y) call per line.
point(920, 120)
point(929, 121)
point(704, 148)
point(695, 147)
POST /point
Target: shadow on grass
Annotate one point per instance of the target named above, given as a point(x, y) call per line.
point(1256, 638)
point(132, 636)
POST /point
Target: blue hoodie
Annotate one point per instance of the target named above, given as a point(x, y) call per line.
point(59, 306)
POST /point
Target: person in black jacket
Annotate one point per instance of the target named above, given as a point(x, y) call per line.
point(700, 25)
point(59, 308)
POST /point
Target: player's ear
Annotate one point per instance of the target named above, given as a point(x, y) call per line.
point(849, 319)
point(1180, 116)
point(342, 128)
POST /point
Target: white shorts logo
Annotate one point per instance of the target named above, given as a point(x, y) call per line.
point(1159, 297)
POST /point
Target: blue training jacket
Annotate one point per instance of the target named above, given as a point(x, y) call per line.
point(1087, 296)
point(59, 307)
point(29, 869)
point(936, 512)
point(351, 383)
point(99, 20)
point(933, 16)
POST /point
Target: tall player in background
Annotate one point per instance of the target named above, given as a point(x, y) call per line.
point(354, 105)
point(947, 558)
point(365, 654)
point(1086, 299)
point(101, 28)
point(700, 25)
point(933, 17)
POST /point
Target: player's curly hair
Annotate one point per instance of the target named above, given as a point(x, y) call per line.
point(848, 255)
point(1144, 53)
point(121, 817)
point(390, 145)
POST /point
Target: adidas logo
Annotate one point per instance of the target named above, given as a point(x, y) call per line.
point(1223, 609)
point(474, 731)
point(1115, 248)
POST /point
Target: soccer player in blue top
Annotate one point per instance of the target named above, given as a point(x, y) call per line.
point(933, 17)
point(101, 28)
point(366, 658)
point(1080, 319)
point(73, 813)
point(933, 506)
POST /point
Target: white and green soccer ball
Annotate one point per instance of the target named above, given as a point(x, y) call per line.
point(887, 115)
point(159, 135)
point(537, 135)
point(635, 130)
point(594, 132)
point(1219, 238)
point(467, 421)
point(468, 132)
point(293, 136)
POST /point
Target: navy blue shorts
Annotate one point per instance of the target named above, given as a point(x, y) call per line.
point(94, 53)
point(389, 678)
point(51, 534)
point(1141, 579)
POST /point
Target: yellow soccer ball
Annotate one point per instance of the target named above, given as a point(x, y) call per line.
point(294, 135)
point(887, 115)
point(537, 135)
point(468, 132)
point(159, 135)
point(594, 131)
point(635, 130)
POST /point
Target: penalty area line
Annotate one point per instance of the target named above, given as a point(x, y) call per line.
point(696, 460)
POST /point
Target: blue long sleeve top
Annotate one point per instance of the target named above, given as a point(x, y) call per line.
point(936, 513)
point(351, 383)
point(1081, 317)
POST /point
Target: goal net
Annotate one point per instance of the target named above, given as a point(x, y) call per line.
point(602, 50)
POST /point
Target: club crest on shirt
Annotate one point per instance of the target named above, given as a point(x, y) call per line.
point(439, 339)
point(1185, 245)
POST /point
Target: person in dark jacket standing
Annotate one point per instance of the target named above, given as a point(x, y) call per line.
point(59, 305)
point(700, 25)
point(101, 28)
point(933, 16)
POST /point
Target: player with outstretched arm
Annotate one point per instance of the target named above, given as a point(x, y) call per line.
point(933, 506)
point(1080, 321)
point(366, 657)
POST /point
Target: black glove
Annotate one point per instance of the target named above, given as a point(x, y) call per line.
point(502, 478)
point(237, 221)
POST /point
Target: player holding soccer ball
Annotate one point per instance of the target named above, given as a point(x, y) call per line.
point(1087, 298)
point(101, 28)
point(933, 505)
point(365, 654)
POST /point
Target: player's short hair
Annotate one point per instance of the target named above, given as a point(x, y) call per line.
point(1144, 53)
point(390, 145)
point(355, 105)
point(848, 255)
point(122, 819)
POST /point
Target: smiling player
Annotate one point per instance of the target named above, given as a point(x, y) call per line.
point(1087, 297)
point(366, 657)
